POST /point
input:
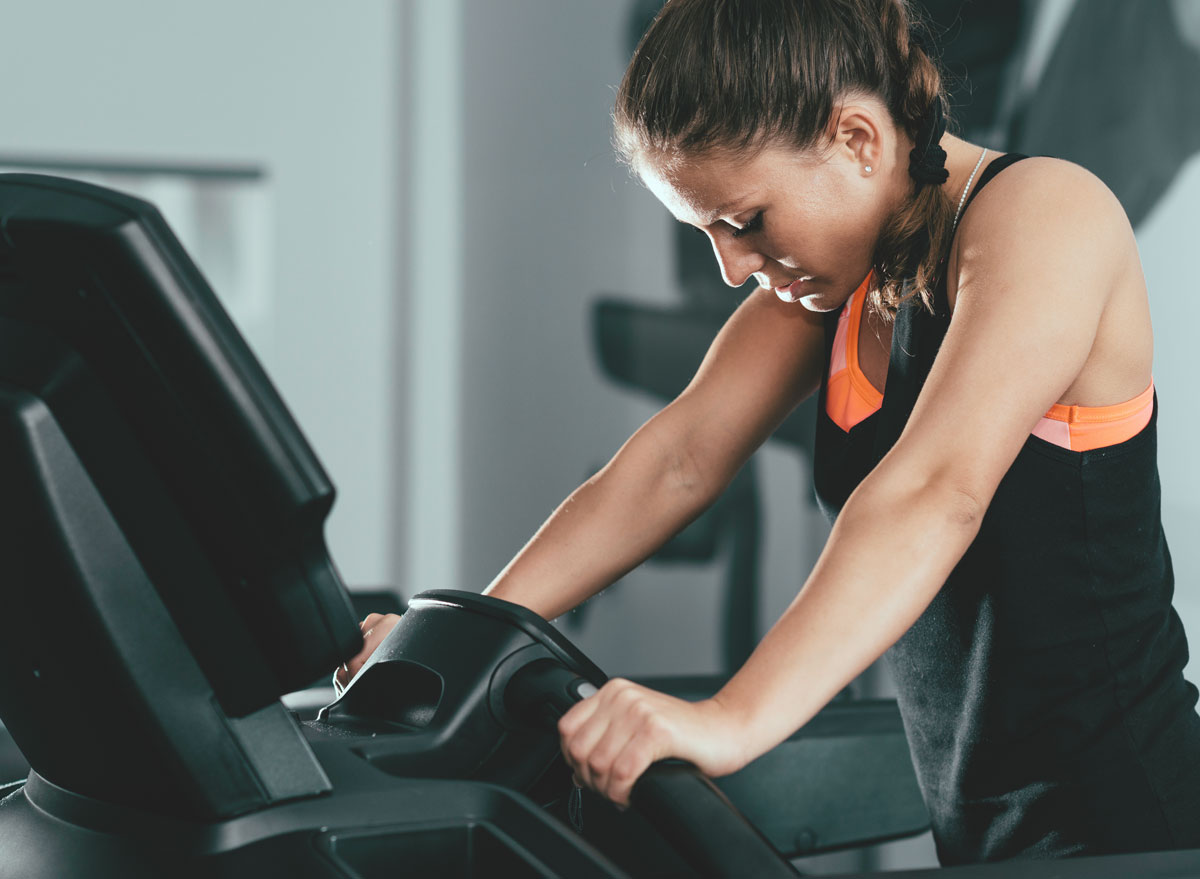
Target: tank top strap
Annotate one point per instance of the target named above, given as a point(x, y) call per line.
point(916, 337)
point(995, 166)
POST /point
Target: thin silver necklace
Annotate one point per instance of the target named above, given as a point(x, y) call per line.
point(958, 213)
point(962, 201)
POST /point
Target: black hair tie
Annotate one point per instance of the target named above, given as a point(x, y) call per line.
point(927, 161)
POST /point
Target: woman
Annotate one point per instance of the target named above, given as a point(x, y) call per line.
point(996, 510)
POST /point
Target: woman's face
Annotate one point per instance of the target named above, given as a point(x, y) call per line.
point(801, 224)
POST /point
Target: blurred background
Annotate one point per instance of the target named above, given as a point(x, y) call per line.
point(413, 213)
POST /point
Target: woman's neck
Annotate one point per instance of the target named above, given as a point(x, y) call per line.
point(962, 157)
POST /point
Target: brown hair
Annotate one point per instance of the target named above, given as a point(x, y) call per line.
point(737, 74)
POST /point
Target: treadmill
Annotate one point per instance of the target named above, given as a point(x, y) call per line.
point(168, 582)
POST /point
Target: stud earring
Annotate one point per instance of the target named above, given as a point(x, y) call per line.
point(867, 168)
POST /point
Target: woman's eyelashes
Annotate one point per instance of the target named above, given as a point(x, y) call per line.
point(752, 225)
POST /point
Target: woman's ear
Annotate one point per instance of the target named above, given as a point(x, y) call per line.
point(860, 134)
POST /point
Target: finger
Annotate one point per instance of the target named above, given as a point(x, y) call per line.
point(577, 715)
point(597, 730)
point(569, 726)
point(372, 633)
point(583, 709)
point(577, 746)
point(632, 711)
point(370, 620)
point(358, 660)
point(378, 626)
point(381, 626)
point(639, 752)
point(354, 665)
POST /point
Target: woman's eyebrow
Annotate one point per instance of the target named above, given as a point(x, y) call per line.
point(731, 207)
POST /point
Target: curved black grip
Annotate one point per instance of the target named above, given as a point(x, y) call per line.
point(682, 804)
point(703, 826)
point(543, 691)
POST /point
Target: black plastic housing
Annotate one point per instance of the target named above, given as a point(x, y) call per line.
point(161, 521)
point(469, 686)
point(370, 826)
point(432, 696)
point(106, 316)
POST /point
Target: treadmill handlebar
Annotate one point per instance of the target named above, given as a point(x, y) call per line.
point(707, 829)
point(675, 797)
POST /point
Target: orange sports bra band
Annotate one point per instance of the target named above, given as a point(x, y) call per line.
point(850, 398)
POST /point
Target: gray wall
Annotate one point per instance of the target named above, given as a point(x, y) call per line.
point(310, 97)
point(550, 222)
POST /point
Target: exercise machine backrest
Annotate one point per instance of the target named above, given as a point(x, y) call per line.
point(161, 521)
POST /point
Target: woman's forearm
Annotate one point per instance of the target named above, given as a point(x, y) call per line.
point(650, 490)
point(890, 551)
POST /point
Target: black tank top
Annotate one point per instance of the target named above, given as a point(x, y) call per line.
point(1042, 690)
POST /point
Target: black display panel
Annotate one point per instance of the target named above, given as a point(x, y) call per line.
point(161, 522)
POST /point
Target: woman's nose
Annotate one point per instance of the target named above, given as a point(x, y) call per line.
point(737, 259)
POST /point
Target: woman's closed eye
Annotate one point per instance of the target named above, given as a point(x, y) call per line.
point(752, 225)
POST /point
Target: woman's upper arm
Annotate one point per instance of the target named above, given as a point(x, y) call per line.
point(764, 361)
point(1039, 253)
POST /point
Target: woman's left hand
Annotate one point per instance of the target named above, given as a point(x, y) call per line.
point(610, 738)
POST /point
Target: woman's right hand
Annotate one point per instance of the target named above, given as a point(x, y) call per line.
point(374, 629)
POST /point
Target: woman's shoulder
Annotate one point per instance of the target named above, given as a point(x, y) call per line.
point(1039, 209)
point(1047, 244)
point(1041, 192)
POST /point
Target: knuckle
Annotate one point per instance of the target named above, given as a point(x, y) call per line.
point(624, 771)
point(643, 711)
point(628, 696)
point(620, 684)
point(654, 727)
point(381, 628)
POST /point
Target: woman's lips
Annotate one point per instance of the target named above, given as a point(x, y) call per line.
point(793, 291)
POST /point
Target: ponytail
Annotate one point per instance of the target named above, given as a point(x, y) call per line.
point(910, 252)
